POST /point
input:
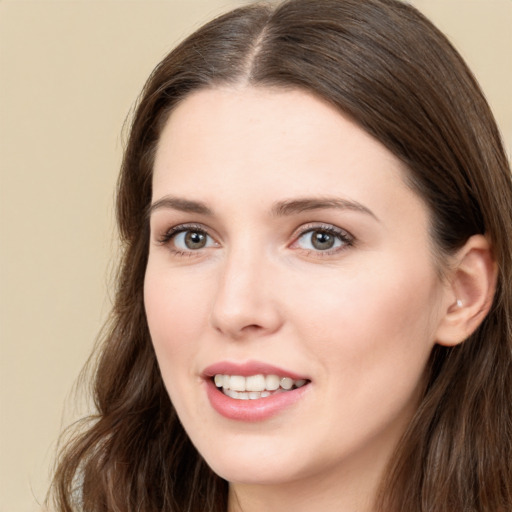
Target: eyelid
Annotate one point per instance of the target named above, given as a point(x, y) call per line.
point(346, 237)
point(169, 234)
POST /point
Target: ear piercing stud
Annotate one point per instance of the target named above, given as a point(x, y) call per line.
point(459, 303)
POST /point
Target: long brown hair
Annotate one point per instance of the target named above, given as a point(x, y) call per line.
point(382, 63)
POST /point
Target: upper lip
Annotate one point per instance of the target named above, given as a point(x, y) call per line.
point(248, 368)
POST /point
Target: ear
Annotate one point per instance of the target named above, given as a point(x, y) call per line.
point(470, 291)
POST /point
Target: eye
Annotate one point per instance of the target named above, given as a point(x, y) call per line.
point(186, 239)
point(326, 239)
point(191, 240)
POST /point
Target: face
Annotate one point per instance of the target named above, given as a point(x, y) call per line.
point(289, 259)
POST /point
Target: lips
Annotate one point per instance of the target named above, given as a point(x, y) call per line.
point(253, 391)
point(249, 368)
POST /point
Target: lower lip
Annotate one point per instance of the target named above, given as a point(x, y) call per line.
point(258, 409)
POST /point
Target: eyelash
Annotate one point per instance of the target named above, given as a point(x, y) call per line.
point(346, 239)
point(172, 233)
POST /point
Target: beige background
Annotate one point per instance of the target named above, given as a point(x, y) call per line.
point(69, 72)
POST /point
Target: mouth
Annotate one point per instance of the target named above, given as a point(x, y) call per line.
point(253, 390)
point(254, 387)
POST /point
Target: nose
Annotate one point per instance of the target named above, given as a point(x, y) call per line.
point(246, 303)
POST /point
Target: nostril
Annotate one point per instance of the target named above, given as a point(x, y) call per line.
point(252, 327)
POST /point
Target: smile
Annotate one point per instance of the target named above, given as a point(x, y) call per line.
point(253, 391)
point(254, 387)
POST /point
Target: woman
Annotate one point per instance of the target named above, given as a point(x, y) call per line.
point(314, 305)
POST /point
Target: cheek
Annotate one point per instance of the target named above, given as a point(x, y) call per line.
point(175, 315)
point(175, 322)
point(393, 299)
point(377, 323)
point(372, 338)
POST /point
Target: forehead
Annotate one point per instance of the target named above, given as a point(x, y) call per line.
point(225, 117)
point(226, 143)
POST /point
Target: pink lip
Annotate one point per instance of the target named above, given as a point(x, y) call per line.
point(248, 368)
point(250, 410)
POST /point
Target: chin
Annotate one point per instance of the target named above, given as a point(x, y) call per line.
point(250, 462)
point(254, 472)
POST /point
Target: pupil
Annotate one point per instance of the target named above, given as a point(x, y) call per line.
point(322, 240)
point(195, 240)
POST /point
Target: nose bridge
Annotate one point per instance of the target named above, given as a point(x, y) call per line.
point(245, 301)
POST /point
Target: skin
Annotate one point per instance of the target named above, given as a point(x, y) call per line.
point(359, 321)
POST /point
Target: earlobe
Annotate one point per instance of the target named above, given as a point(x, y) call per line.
point(470, 292)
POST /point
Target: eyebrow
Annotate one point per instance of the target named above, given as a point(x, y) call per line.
point(177, 203)
point(294, 206)
point(279, 209)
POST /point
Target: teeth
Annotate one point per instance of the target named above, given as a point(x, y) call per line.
point(286, 383)
point(255, 383)
point(244, 395)
point(272, 382)
point(254, 386)
point(237, 383)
